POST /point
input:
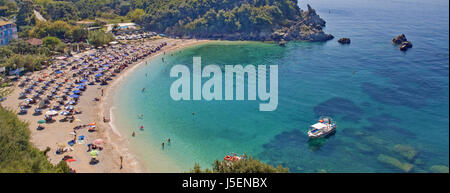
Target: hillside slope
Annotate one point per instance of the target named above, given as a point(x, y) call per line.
point(234, 19)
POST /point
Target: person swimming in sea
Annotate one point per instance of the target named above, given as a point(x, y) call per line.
point(140, 116)
point(141, 128)
point(143, 89)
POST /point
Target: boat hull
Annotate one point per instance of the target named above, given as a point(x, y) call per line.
point(322, 133)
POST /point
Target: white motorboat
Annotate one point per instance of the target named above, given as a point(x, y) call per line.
point(323, 128)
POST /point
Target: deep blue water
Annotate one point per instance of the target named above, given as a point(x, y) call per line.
point(382, 99)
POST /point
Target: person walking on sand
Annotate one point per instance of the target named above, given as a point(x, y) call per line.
point(121, 160)
point(134, 134)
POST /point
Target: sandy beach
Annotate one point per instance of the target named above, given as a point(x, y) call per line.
point(114, 144)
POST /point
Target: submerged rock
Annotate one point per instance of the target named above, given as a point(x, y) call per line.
point(344, 40)
point(405, 46)
point(341, 107)
point(394, 162)
point(399, 39)
point(439, 169)
point(406, 151)
point(363, 147)
point(373, 140)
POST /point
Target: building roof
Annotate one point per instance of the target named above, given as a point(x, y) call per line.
point(35, 41)
point(5, 22)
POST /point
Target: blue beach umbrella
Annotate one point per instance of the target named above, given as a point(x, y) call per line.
point(74, 96)
point(84, 80)
point(79, 87)
point(82, 84)
point(76, 91)
point(58, 72)
point(98, 75)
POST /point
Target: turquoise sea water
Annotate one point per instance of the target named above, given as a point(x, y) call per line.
point(379, 96)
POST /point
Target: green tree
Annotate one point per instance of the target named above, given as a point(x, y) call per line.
point(7, 8)
point(99, 37)
point(248, 165)
point(136, 15)
point(51, 42)
point(25, 14)
point(79, 34)
point(17, 153)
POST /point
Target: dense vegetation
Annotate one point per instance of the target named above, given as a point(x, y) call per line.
point(249, 165)
point(224, 19)
point(233, 19)
point(19, 54)
point(17, 154)
point(218, 17)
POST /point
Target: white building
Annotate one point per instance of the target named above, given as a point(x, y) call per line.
point(122, 26)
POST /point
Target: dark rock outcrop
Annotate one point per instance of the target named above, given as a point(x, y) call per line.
point(399, 39)
point(344, 40)
point(405, 45)
point(308, 28)
point(403, 42)
point(282, 43)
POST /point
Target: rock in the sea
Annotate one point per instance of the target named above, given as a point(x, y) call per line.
point(403, 42)
point(405, 46)
point(394, 162)
point(344, 40)
point(282, 43)
point(439, 169)
point(279, 34)
point(406, 151)
point(399, 39)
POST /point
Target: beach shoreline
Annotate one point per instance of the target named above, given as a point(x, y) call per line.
point(115, 144)
point(106, 106)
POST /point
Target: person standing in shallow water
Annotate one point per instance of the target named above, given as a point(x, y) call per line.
point(162, 144)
